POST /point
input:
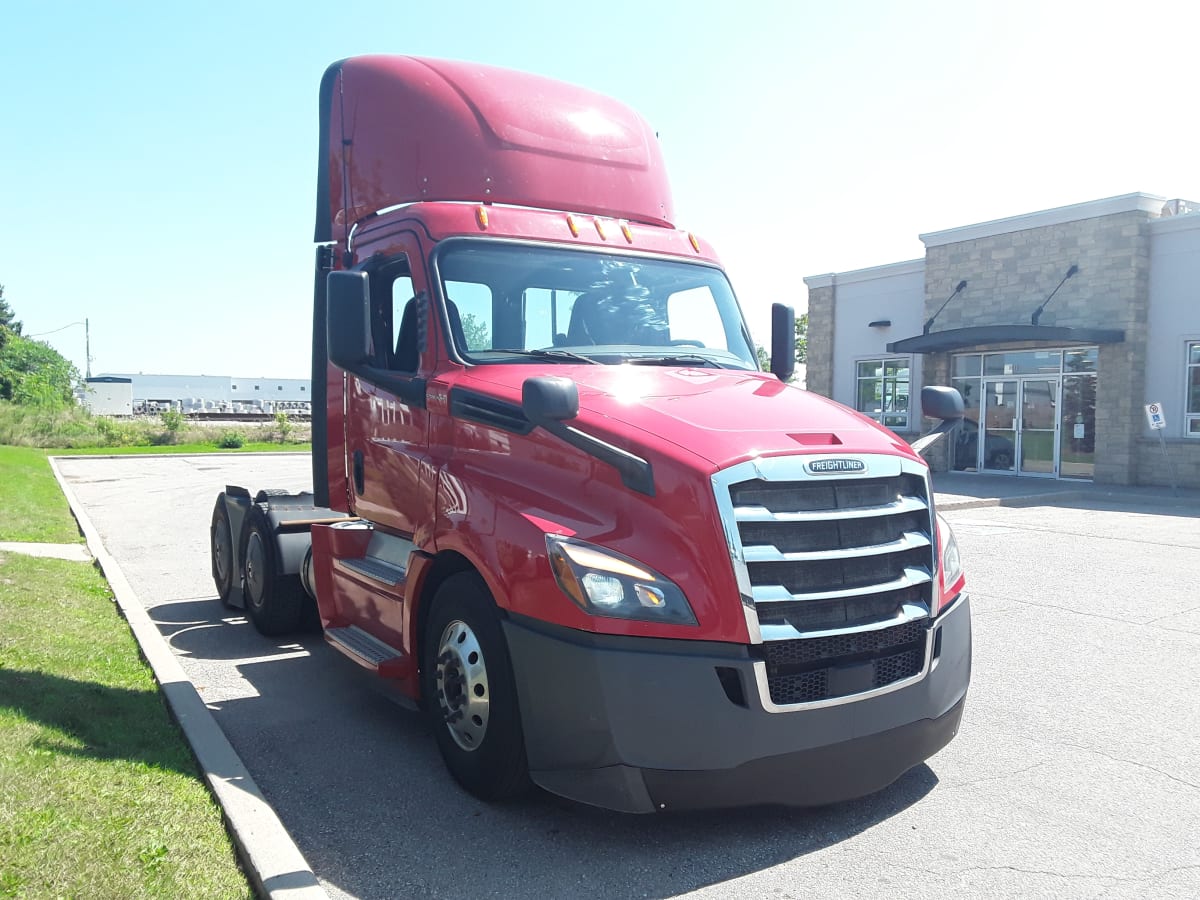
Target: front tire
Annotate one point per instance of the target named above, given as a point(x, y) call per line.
point(469, 691)
point(274, 602)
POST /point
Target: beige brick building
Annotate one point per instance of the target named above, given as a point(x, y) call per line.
point(1058, 327)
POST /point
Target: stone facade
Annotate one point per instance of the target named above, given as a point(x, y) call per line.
point(1009, 275)
point(819, 374)
point(1011, 266)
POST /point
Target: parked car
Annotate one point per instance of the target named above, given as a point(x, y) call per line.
point(998, 451)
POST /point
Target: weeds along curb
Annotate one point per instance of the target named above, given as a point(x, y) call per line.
point(271, 858)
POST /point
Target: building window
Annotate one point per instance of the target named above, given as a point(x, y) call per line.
point(302, 389)
point(256, 387)
point(883, 389)
point(280, 387)
point(234, 386)
point(1191, 424)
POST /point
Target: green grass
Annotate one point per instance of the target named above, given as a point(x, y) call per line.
point(101, 796)
point(34, 507)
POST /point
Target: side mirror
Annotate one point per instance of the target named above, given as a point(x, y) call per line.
point(549, 398)
point(939, 402)
point(783, 341)
point(349, 319)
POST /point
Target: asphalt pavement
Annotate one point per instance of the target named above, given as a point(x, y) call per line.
point(1076, 772)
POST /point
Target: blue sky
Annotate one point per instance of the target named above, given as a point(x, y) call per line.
point(158, 160)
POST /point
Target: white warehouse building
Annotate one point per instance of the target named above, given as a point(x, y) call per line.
point(196, 393)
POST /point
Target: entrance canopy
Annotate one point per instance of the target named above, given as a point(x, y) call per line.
point(961, 338)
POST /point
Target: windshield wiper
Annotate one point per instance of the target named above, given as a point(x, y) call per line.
point(680, 359)
point(557, 355)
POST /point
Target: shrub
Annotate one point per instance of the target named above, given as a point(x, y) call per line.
point(283, 427)
point(230, 440)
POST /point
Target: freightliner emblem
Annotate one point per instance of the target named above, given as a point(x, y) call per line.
point(835, 466)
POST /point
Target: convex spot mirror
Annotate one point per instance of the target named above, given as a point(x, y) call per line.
point(549, 398)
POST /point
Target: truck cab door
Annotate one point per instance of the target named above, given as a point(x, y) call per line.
point(390, 480)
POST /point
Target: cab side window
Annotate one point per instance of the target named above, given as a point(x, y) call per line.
point(396, 337)
point(405, 331)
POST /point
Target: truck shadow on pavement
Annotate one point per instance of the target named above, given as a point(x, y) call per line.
point(97, 721)
point(360, 785)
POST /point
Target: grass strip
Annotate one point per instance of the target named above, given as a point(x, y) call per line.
point(100, 794)
point(33, 508)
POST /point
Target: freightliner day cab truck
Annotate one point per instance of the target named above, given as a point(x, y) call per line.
point(557, 505)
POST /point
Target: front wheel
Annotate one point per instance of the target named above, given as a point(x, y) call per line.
point(469, 691)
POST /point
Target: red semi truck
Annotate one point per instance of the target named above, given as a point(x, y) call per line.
point(557, 505)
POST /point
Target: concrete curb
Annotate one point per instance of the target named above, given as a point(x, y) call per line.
point(271, 858)
point(1023, 500)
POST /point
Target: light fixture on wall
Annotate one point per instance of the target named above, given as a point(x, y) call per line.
point(881, 323)
point(957, 290)
point(1037, 313)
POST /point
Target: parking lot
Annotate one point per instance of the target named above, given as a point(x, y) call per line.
point(1076, 772)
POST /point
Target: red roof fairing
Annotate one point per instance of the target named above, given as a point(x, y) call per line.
point(400, 129)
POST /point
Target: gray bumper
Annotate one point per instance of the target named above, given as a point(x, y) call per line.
point(642, 724)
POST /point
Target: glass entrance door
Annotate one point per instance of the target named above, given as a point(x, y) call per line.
point(1037, 440)
point(1000, 414)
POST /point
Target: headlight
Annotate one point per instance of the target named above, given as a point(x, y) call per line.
point(951, 562)
point(604, 583)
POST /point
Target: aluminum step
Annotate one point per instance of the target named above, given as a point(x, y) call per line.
point(369, 651)
point(376, 569)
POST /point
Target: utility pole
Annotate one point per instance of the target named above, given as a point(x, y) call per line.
point(87, 346)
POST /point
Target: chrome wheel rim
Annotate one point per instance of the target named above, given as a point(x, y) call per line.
point(463, 693)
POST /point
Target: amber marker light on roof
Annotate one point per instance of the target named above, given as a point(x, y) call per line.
point(600, 230)
point(573, 225)
point(481, 216)
point(695, 243)
point(627, 231)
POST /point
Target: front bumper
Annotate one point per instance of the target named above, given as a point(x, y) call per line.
point(644, 724)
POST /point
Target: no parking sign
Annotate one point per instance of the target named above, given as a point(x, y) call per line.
point(1154, 416)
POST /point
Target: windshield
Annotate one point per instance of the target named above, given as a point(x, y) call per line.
point(513, 302)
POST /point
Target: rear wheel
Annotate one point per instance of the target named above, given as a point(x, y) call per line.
point(221, 549)
point(469, 690)
point(274, 602)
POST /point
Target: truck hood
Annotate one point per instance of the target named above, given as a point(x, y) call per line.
point(722, 416)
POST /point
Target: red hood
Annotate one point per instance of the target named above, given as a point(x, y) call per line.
point(720, 415)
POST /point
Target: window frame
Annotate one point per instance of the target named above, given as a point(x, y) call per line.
point(1190, 346)
point(882, 361)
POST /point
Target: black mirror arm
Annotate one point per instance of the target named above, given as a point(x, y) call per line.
point(923, 443)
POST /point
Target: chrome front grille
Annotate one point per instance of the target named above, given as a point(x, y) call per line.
point(827, 561)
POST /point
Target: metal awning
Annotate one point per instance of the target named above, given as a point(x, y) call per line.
point(960, 338)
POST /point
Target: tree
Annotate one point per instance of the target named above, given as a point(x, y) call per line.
point(476, 332)
point(8, 323)
point(802, 339)
point(32, 373)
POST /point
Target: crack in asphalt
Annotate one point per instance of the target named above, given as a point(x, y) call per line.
point(1110, 757)
point(1090, 615)
point(1150, 879)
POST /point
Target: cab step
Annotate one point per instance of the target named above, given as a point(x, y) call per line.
point(370, 652)
point(376, 569)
